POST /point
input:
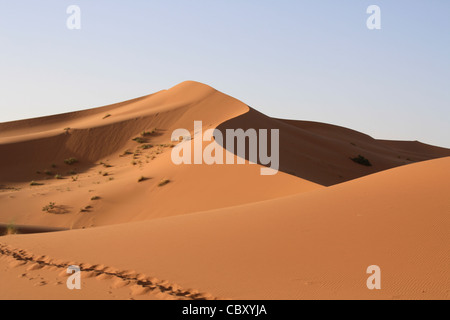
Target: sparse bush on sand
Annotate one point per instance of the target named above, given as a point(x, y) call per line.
point(126, 153)
point(34, 183)
point(11, 229)
point(362, 161)
point(71, 161)
point(49, 207)
point(163, 182)
point(149, 133)
point(86, 209)
point(139, 140)
point(167, 145)
point(95, 198)
point(105, 165)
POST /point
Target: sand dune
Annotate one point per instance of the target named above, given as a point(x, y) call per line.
point(308, 246)
point(220, 231)
point(92, 140)
point(320, 152)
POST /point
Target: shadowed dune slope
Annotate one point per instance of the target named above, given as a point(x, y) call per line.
point(322, 153)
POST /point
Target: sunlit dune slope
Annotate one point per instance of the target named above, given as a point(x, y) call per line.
point(312, 245)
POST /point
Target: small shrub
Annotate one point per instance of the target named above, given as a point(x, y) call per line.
point(139, 140)
point(105, 165)
point(74, 179)
point(34, 183)
point(126, 153)
point(362, 161)
point(106, 116)
point(95, 198)
point(149, 133)
point(141, 179)
point(86, 209)
point(11, 229)
point(163, 182)
point(48, 172)
point(70, 161)
point(166, 145)
point(49, 207)
point(59, 177)
point(147, 146)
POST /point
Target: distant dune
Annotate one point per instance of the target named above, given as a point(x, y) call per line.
point(219, 231)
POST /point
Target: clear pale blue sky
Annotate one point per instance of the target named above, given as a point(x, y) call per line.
point(312, 60)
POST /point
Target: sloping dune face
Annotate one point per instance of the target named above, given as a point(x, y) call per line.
point(322, 153)
point(116, 179)
point(312, 245)
point(91, 135)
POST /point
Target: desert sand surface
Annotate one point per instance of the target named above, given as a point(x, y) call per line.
point(141, 227)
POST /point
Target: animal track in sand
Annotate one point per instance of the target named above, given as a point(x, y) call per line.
point(139, 284)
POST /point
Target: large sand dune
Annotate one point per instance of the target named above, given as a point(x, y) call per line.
point(308, 232)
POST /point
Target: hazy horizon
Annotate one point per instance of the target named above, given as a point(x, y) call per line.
point(303, 60)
